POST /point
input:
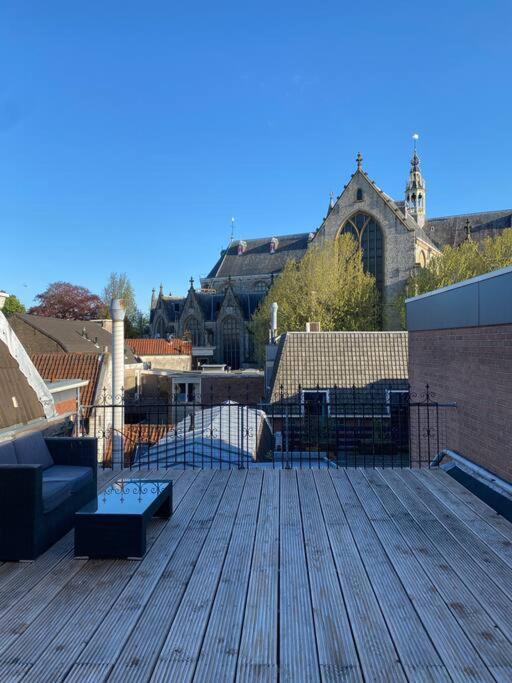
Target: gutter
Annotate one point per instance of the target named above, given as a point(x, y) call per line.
point(490, 479)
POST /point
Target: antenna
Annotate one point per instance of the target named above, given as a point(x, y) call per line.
point(232, 228)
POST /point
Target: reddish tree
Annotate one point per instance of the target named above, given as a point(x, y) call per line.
point(64, 300)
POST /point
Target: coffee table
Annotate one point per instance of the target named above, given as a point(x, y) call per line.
point(114, 524)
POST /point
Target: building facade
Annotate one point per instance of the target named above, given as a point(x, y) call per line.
point(395, 237)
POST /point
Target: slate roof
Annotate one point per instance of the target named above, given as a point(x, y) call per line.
point(159, 347)
point(69, 334)
point(449, 230)
point(257, 259)
point(14, 384)
point(173, 307)
point(370, 361)
point(57, 366)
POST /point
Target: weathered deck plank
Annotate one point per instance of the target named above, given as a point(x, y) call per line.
point(178, 657)
point(298, 652)
point(337, 653)
point(219, 652)
point(478, 549)
point(276, 575)
point(59, 648)
point(377, 652)
point(417, 653)
point(454, 619)
point(486, 532)
point(103, 649)
point(258, 652)
point(482, 509)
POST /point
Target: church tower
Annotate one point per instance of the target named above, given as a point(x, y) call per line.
point(415, 190)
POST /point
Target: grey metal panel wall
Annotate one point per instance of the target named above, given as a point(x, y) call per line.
point(496, 300)
point(482, 301)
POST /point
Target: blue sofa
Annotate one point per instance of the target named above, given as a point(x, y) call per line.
point(43, 482)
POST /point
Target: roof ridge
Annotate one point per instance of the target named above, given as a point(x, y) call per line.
point(462, 215)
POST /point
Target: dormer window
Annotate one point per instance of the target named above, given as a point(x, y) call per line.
point(359, 195)
point(274, 243)
point(242, 247)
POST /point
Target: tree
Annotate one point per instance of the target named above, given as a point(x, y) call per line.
point(328, 285)
point(455, 264)
point(64, 300)
point(12, 305)
point(120, 287)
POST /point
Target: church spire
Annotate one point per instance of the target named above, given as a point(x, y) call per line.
point(153, 299)
point(416, 190)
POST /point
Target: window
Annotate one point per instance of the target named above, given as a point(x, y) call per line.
point(368, 234)
point(359, 195)
point(192, 331)
point(231, 342)
point(260, 286)
point(315, 403)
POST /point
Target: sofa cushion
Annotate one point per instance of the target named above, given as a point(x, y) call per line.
point(8, 454)
point(31, 449)
point(55, 493)
point(78, 477)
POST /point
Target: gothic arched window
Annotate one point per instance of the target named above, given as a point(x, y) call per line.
point(359, 195)
point(192, 331)
point(368, 234)
point(231, 338)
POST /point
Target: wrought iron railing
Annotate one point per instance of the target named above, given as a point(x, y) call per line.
point(314, 427)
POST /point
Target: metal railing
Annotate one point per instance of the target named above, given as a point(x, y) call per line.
point(314, 427)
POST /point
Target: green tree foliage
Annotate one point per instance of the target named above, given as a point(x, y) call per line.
point(328, 285)
point(119, 287)
point(13, 305)
point(455, 264)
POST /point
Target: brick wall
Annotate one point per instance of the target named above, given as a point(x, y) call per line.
point(473, 367)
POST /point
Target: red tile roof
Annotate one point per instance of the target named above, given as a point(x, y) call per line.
point(135, 434)
point(56, 366)
point(160, 347)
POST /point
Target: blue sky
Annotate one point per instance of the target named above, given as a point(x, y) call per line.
point(131, 132)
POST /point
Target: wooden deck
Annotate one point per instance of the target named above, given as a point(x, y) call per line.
point(296, 575)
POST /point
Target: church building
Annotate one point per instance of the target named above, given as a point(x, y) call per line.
point(396, 237)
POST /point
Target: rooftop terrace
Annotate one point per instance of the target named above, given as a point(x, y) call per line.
point(294, 575)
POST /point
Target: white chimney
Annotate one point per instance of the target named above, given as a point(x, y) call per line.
point(117, 313)
point(273, 322)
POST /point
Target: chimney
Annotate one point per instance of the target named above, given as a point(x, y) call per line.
point(117, 313)
point(3, 297)
point(313, 327)
point(273, 322)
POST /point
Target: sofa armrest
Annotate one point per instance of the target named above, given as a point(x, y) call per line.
point(68, 450)
point(21, 488)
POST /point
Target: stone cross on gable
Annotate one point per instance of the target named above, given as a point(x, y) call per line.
point(359, 160)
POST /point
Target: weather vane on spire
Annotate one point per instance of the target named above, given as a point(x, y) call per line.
point(232, 228)
point(415, 137)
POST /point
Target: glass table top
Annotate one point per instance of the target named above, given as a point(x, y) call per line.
point(126, 497)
